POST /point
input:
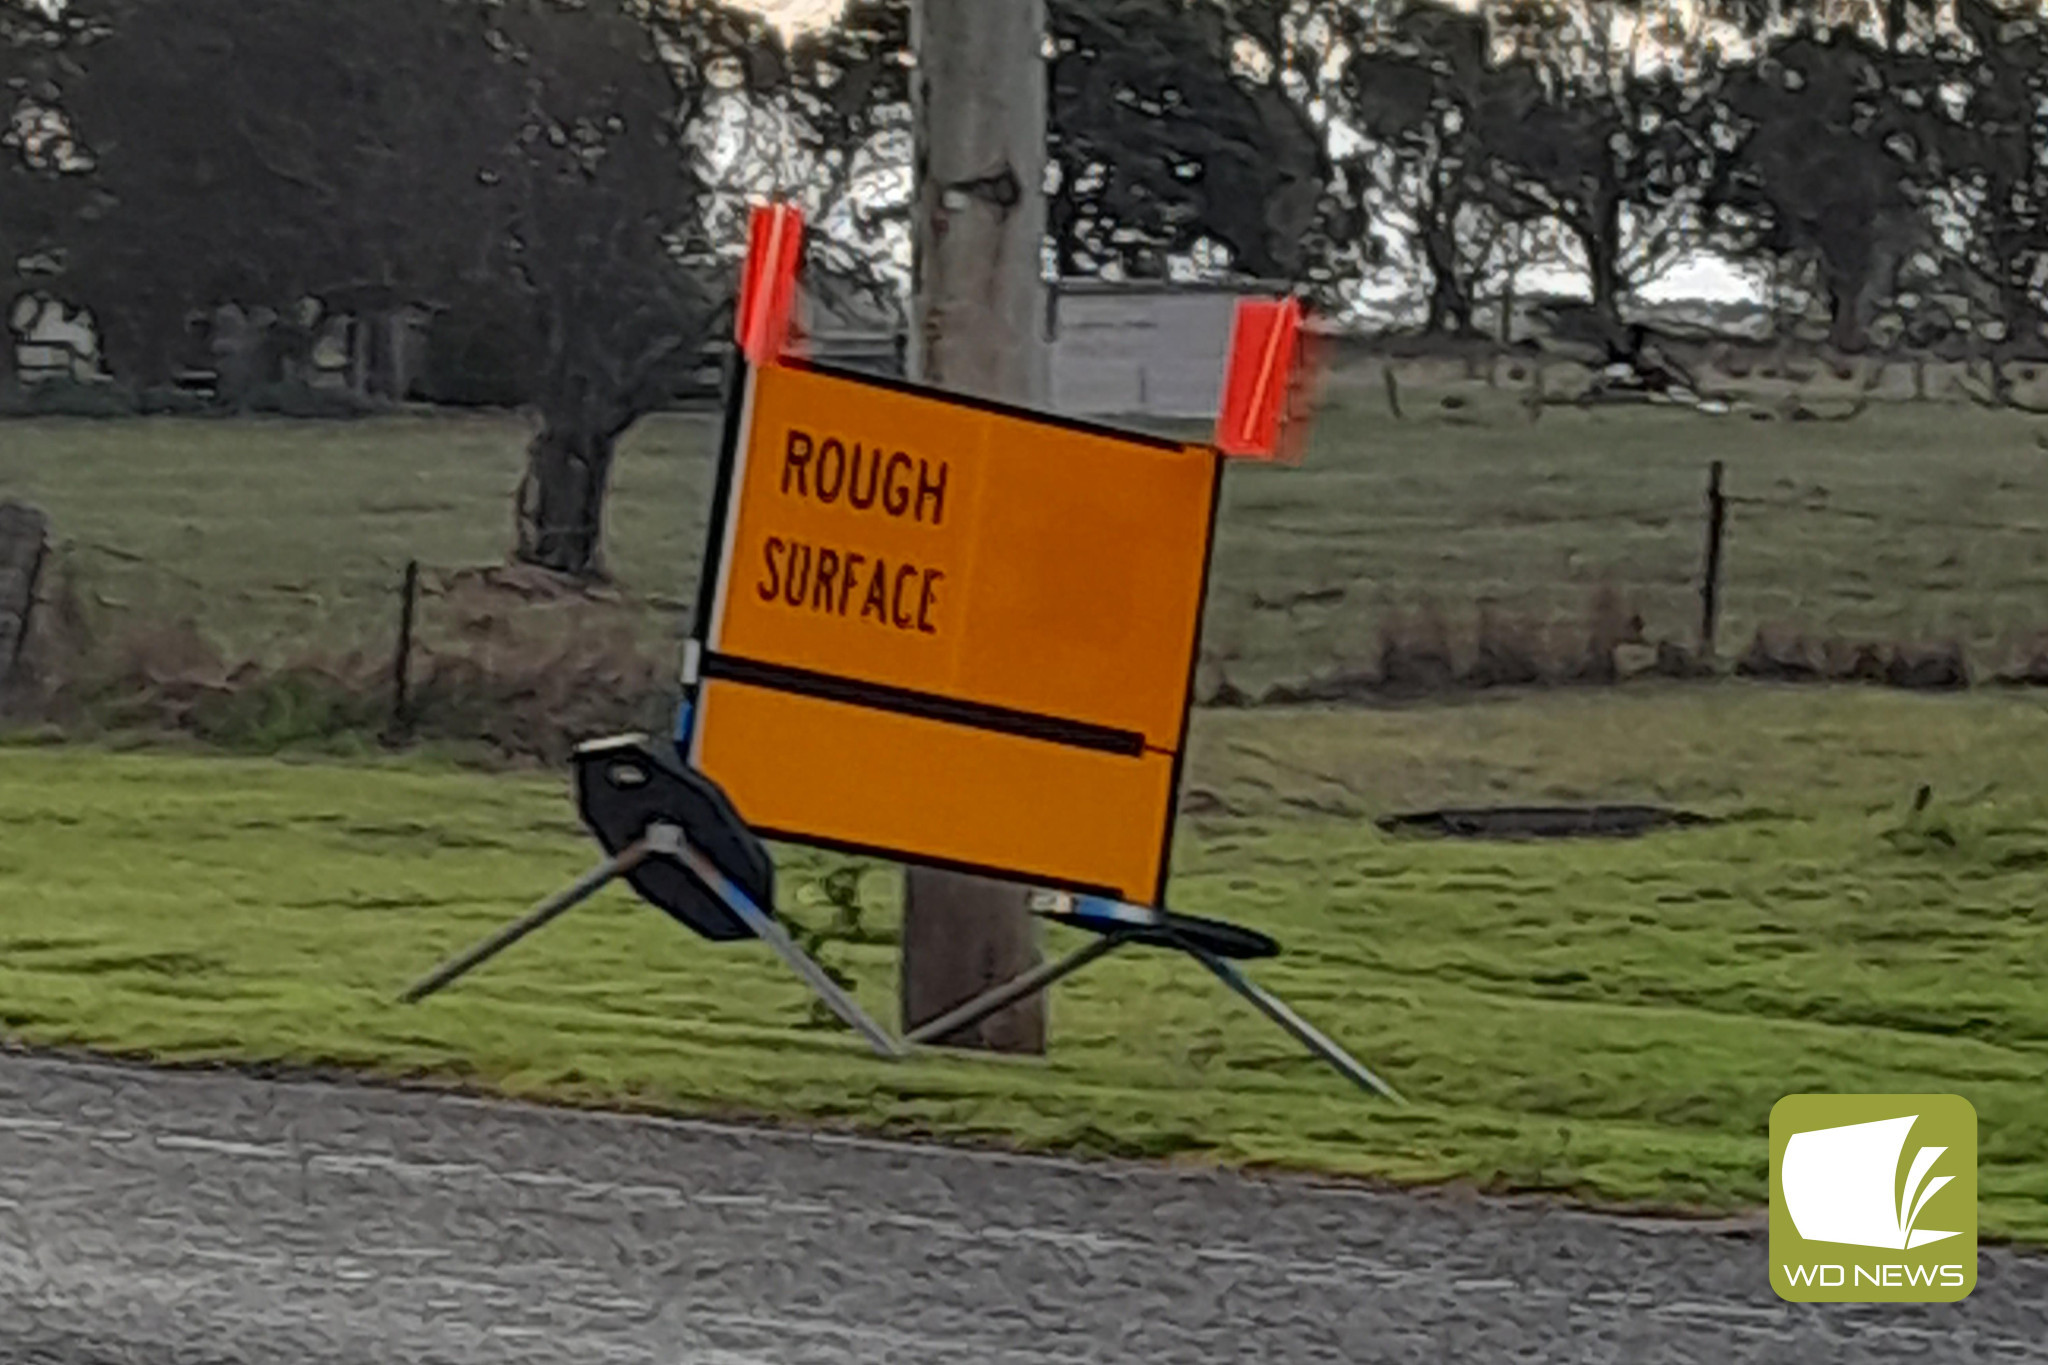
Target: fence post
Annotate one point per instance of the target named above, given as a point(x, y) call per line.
point(24, 551)
point(1710, 582)
point(401, 662)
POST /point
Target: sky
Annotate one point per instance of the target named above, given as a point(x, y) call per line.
point(788, 15)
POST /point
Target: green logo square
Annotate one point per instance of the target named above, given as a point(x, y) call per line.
point(1873, 1198)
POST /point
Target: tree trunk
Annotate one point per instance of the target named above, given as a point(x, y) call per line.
point(1603, 266)
point(1849, 267)
point(1599, 235)
point(560, 507)
point(385, 356)
point(1845, 321)
point(10, 341)
point(239, 357)
point(2021, 316)
point(24, 545)
point(1848, 322)
point(1507, 305)
point(359, 356)
point(140, 340)
point(1450, 307)
point(979, 92)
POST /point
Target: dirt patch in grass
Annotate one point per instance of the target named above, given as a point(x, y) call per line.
point(1543, 822)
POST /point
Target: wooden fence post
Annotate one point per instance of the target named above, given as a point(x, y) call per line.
point(401, 662)
point(1710, 582)
point(24, 548)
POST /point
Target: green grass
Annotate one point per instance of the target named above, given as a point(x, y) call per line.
point(1913, 522)
point(270, 534)
point(1611, 1021)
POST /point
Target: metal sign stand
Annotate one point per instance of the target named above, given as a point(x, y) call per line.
point(668, 841)
point(671, 832)
point(1116, 925)
point(1213, 943)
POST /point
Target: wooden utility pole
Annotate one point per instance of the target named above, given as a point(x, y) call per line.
point(977, 327)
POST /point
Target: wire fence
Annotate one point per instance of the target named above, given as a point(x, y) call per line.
point(1402, 558)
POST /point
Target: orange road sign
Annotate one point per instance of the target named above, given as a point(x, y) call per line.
point(951, 632)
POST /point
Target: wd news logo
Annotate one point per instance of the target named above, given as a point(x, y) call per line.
point(1873, 1198)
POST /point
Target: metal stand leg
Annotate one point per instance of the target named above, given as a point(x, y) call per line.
point(669, 840)
point(586, 886)
point(1305, 1033)
point(998, 997)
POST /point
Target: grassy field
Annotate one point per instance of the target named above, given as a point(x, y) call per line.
point(1608, 1020)
point(1916, 522)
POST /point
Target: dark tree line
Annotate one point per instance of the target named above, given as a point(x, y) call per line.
point(556, 183)
point(520, 163)
point(1895, 163)
point(559, 184)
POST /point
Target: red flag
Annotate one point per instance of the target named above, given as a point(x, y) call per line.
point(1303, 394)
point(775, 243)
point(1265, 343)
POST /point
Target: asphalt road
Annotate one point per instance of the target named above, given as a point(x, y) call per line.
point(213, 1219)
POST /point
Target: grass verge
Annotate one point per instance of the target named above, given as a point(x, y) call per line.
point(1606, 1021)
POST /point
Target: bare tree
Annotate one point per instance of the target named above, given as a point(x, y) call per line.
point(1410, 87)
point(1825, 150)
point(823, 121)
point(1991, 139)
point(1599, 121)
point(1175, 133)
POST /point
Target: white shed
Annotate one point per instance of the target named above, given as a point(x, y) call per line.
point(1143, 349)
